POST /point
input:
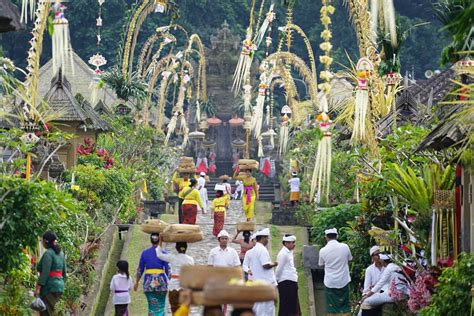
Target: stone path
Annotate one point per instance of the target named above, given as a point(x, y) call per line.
point(200, 250)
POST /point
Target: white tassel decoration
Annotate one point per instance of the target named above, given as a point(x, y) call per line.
point(257, 117)
point(25, 4)
point(260, 148)
point(62, 52)
point(374, 20)
point(263, 29)
point(364, 69)
point(198, 111)
point(322, 171)
point(242, 70)
point(390, 22)
point(171, 127)
point(247, 97)
point(284, 133)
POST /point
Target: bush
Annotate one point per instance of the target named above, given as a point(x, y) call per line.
point(337, 217)
point(453, 292)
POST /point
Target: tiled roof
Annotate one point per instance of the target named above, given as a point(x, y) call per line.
point(61, 100)
point(80, 75)
point(9, 17)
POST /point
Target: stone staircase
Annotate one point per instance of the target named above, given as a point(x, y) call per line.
point(267, 191)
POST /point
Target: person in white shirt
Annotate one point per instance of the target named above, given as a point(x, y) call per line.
point(121, 285)
point(247, 258)
point(380, 293)
point(287, 279)
point(374, 271)
point(335, 257)
point(223, 256)
point(201, 186)
point(176, 261)
point(261, 267)
point(239, 187)
point(294, 189)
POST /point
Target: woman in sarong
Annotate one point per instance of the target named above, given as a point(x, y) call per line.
point(250, 194)
point(155, 274)
point(191, 200)
point(218, 209)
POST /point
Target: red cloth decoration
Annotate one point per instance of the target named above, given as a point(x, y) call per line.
point(202, 167)
point(212, 168)
point(266, 168)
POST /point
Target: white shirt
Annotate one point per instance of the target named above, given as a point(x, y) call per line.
point(391, 272)
point(239, 185)
point(294, 184)
point(227, 257)
point(372, 276)
point(201, 183)
point(259, 257)
point(176, 262)
point(121, 283)
point(335, 257)
point(228, 187)
point(285, 270)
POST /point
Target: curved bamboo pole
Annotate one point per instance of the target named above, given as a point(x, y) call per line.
point(145, 51)
point(34, 56)
point(130, 34)
point(201, 90)
point(309, 49)
point(298, 64)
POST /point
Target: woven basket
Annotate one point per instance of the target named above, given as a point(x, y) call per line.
point(236, 294)
point(182, 233)
point(188, 237)
point(198, 299)
point(195, 277)
point(247, 162)
point(246, 226)
point(186, 170)
point(151, 226)
point(248, 167)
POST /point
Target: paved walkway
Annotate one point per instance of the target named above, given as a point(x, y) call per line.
point(200, 250)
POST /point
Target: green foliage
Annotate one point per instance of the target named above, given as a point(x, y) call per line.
point(27, 210)
point(418, 191)
point(127, 89)
point(457, 16)
point(104, 191)
point(14, 299)
point(337, 217)
point(453, 292)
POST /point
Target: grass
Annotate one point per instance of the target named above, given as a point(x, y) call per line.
point(277, 233)
point(138, 242)
point(263, 212)
point(110, 269)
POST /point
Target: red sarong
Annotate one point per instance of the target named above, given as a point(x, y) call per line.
point(219, 218)
point(189, 213)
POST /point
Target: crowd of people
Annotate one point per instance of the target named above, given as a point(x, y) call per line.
point(161, 270)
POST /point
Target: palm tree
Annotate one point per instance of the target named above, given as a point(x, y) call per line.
point(457, 16)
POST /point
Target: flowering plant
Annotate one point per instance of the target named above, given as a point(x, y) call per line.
point(420, 291)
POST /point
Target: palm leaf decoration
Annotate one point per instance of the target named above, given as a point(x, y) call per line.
point(126, 89)
point(418, 190)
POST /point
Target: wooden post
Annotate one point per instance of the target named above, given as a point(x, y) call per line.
point(247, 150)
point(28, 167)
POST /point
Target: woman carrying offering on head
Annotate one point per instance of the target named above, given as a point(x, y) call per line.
point(245, 243)
point(250, 194)
point(176, 261)
point(191, 200)
point(218, 209)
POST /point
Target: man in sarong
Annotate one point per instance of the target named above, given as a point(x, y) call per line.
point(335, 257)
point(287, 279)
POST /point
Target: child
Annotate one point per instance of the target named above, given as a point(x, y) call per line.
point(121, 285)
point(218, 208)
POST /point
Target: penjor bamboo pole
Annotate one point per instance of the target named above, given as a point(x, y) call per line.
point(247, 139)
point(28, 167)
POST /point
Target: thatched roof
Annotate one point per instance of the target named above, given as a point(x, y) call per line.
point(9, 17)
point(81, 77)
point(448, 133)
point(61, 100)
point(424, 92)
